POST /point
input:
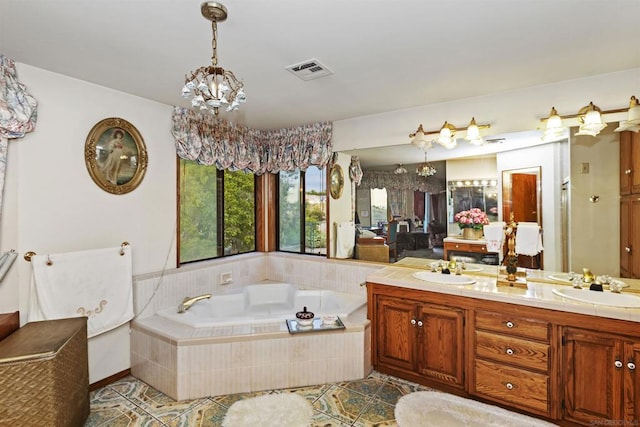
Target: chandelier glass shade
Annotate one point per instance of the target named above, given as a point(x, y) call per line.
point(633, 117)
point(590, 120)
point(212, 87)
point(425, 170)
point(554, 129)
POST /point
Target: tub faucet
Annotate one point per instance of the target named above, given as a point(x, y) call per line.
point(187, 302)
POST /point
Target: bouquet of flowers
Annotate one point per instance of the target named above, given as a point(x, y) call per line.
point(473, 218)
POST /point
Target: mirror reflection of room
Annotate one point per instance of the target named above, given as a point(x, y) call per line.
point(403, 211)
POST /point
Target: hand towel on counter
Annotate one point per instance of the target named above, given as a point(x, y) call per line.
point(494, 235)
point(95, 283)
point(528, 239)
point(345, 239)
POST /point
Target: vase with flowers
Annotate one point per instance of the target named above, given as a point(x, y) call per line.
point(471, 223)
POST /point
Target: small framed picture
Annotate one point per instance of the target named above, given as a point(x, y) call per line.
point(115, 155)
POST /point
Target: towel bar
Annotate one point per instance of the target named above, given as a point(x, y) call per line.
point(30, 254)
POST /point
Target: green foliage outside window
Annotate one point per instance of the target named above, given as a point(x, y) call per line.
point(204, 192)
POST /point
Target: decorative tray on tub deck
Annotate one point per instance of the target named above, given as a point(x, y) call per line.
point(316, 326)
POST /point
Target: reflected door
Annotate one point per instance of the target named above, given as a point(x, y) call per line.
point(524, 197)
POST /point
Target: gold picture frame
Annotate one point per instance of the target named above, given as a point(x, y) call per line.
point(115, 155)
point(336, 181)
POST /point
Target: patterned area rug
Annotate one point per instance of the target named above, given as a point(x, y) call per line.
point(270, 410)
point(435, 409)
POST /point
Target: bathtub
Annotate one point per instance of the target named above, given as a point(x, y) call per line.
point(238, 342)
point(264, 303)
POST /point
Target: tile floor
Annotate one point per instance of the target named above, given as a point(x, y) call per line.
point(361, 403)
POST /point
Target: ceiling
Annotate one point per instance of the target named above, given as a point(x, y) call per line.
point(385, 55)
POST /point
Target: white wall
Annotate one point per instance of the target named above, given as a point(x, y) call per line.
point(595, 227)
point(507, 112)
point(52, 205)
point(340, 209)
point(549, 158)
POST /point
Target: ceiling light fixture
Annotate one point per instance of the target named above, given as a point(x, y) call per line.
point(590, 121)
point(399, 170)
point(447, 135)
point(426, 170)
point(212, 87)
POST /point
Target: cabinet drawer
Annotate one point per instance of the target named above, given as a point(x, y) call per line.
point(466, 247)
point(518, 387)
point(516, 351)
point(513, 325)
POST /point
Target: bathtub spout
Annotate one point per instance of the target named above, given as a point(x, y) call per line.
point(187, 302)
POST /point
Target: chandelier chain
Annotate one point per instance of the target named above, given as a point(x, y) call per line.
point(214, 43)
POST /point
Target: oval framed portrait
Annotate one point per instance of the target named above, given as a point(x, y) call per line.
point(115, 155)
point(337, 181)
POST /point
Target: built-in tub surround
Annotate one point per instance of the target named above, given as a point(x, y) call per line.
point(186, 362)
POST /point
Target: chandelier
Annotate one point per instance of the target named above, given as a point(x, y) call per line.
point(212, 87)
point(426, 169)
point(400, 170)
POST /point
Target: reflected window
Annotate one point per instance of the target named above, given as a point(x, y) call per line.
point(378, 206)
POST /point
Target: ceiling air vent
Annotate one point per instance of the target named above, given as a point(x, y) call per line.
point(310, 69)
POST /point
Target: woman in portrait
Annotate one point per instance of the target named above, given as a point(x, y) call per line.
point(115, 148)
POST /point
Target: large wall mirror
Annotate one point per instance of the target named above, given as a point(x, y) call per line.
point(521, 194)
point(543, 183)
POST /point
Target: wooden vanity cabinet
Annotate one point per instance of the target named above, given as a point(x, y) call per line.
point(417, 339)
point(600, 378)
point(629, 163)
point(512, 357)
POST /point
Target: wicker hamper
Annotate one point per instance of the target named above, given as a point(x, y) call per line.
point(44, 374)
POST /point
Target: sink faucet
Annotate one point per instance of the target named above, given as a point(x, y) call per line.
point(187, 302)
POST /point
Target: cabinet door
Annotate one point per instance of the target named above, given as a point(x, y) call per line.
point(440, 344)
point(625, 162)
point(631, 384)
point(592, 381)
point(396, 332)
point(635, 162)
point(625, 237)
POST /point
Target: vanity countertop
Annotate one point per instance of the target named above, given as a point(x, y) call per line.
point(539, 292)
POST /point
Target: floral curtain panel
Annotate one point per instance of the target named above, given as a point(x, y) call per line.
point(393, 182)
point(211, 141)
point(18, 112)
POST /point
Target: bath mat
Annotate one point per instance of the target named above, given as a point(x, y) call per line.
point(270, 410)
point(436, 409)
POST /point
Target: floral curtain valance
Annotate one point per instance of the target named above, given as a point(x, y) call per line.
point(211, 141)
point(393, 182)
point(18, 112)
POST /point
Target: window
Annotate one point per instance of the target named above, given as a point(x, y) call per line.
point(302, 215)
point(378, 206)
point(217, 212)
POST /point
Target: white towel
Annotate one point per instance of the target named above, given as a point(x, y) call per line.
point(345, 239)
point(528, 239)
point(95, 283)
point(494, 235)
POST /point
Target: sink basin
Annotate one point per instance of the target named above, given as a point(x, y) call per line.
point(443, 279)
point(599, 298)
point(560, 277)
